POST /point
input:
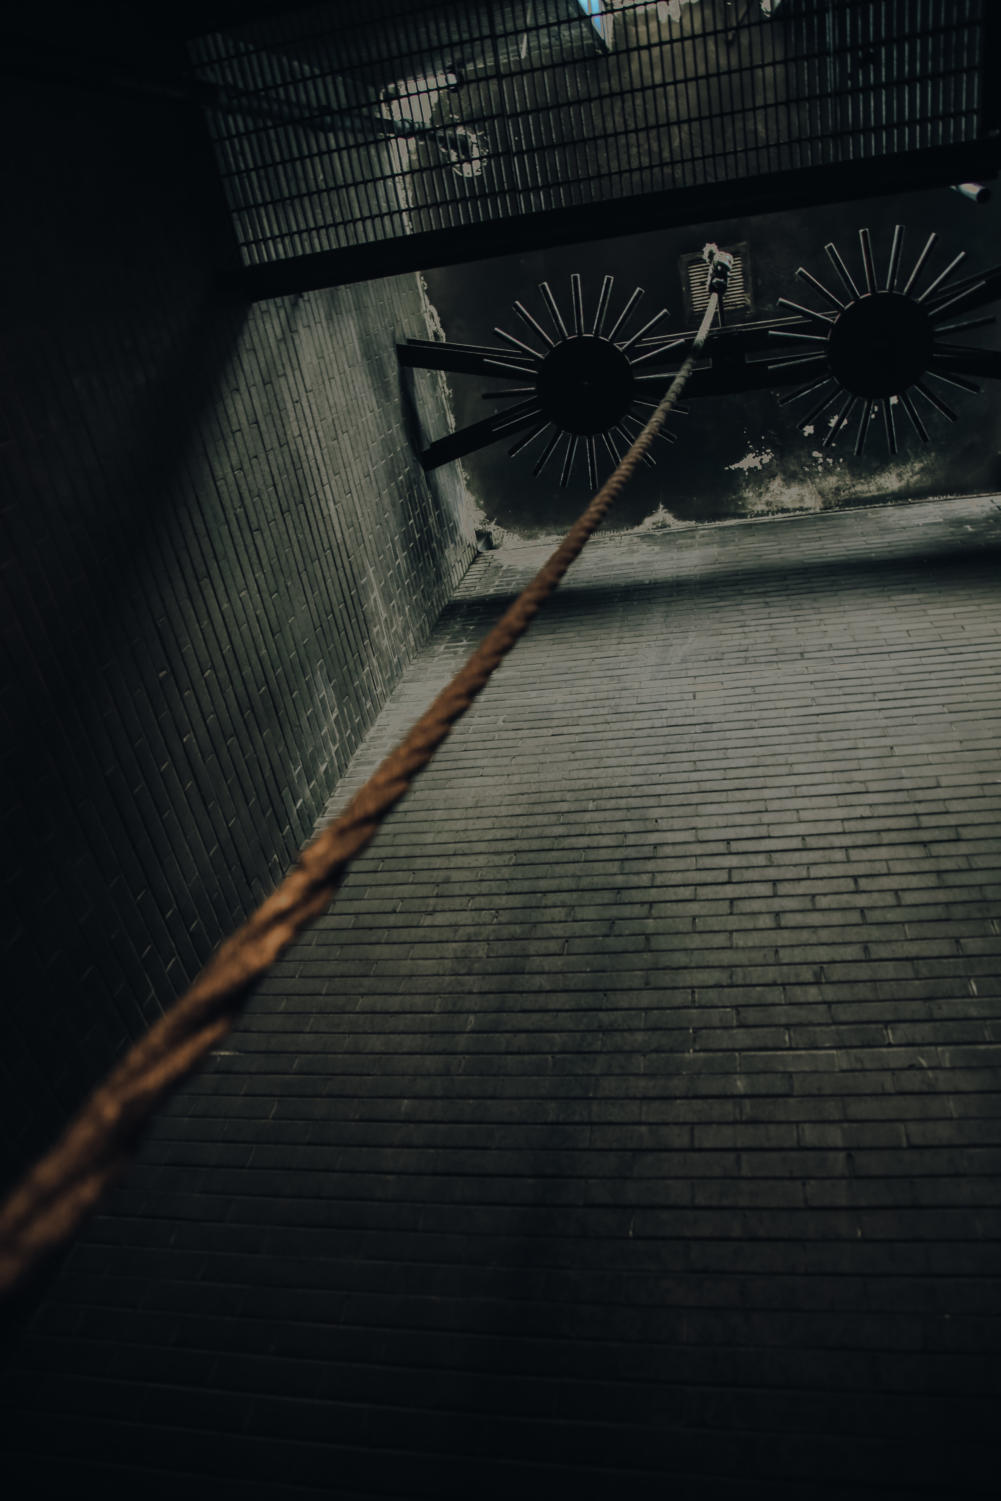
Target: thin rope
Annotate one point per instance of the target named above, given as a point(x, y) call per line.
point(55, 1195)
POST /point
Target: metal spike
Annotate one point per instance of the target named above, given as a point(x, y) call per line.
point(554, 311)
point(676, 411)
point(623, 317)
point(577, 303)
point(548, 451)
point(804, 274)
point(936, 402)
point(652, 354)
point(943, 307)
point(592, 463)
point(956, 380)
point(532, 323)
point(420, 347)
point(962, 357)
point(867, 262)
point(820, 408)
point(516, 419)
point(786, 361)
point(863, 427)
point(665, 433)
point(568, 459)
point(889, 424)
point(524, 442)
point(787, 333)
point(644, 330)
point(807, 312)
point(602, 309)
point(918, 266)
point(839, 422)
point(520, 370)
point(519, 343)
point(793, 363)
point(918, 425)
point(842, 270)
point(895, 250)
point(815, 385)
point(477, 435)
point(942, 275)
point(955, 328)
point(627, 443)
point(612, 447)
point(514, 391)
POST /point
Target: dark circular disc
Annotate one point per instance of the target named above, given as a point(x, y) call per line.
point(585, 385)
point(880, 344)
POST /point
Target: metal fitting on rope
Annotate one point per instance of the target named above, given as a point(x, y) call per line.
point(720, 264)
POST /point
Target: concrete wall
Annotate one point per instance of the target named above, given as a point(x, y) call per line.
point(220, 555)
point(629, 1127)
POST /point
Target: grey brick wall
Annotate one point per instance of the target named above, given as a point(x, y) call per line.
point(219, 556)
point(632, 1120)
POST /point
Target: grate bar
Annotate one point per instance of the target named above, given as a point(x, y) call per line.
point(386, 129)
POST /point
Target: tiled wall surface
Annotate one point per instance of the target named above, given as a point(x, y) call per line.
point(630, 1125)
point(219, 555)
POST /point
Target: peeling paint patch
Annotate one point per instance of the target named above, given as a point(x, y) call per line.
point(658, 520)
point(831, 482)
point(753, 460)
point(782, 494)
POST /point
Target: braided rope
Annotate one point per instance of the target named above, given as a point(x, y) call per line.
point(50, 1202)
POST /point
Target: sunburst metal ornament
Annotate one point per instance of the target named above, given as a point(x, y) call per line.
point(577, 386)
point(882, 346)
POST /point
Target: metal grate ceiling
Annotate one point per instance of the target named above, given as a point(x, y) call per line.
point(389, 135)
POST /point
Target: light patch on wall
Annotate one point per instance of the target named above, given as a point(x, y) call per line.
point(892, 481)
point(823, 489)
point(670, 10)
point(753, 460)
point(782, 494)
point(658, 520)
point(436, 330)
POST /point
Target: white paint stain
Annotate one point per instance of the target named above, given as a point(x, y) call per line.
point(753, 460)
point(818, 488)
point(779, 493)
point(658, 520)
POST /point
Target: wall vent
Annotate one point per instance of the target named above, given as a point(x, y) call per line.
point(737, 298)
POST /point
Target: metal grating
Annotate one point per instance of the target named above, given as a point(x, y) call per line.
point(695, 283)
point(379, 132)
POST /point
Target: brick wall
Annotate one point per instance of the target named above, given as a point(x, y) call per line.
point(219, 556)
point(632, 1119)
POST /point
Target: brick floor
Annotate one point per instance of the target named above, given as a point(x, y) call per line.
point(632, 1120)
